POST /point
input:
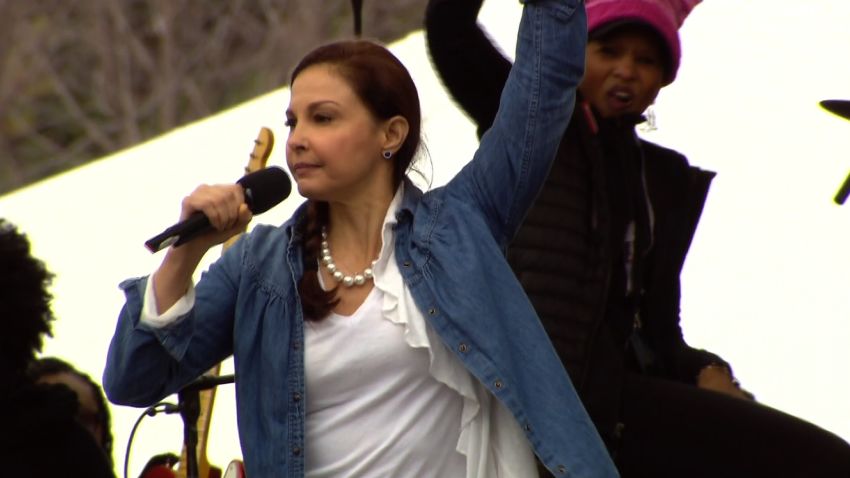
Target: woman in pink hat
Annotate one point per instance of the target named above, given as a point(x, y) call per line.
point(601, 250)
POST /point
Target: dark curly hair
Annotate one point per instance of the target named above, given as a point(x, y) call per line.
point(24, 303)
point(47, 366)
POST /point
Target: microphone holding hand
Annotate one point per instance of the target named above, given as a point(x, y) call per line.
point(225, 207)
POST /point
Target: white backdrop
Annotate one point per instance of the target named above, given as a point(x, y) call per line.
point(765, 284)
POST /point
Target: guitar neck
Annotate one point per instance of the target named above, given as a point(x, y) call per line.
point(257, 160)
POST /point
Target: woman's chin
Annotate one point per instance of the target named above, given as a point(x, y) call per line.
point(310, 191)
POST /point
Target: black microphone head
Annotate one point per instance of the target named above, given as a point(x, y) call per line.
point(265, 188)
point(837, 107)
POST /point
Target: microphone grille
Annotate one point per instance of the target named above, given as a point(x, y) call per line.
point(265, 188)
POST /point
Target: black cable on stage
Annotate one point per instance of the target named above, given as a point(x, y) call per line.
point(161, 407)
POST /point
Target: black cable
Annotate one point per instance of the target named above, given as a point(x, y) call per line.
point(357, 6)
point(161, 407)
point(189, 412)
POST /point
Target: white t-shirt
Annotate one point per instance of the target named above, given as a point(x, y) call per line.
point(372, 407)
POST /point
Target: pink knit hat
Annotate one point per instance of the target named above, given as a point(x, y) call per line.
point(663, 16)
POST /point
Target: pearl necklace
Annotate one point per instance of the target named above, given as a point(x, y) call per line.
point(328, 261)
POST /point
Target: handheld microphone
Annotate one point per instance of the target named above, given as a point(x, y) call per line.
point(264, 189)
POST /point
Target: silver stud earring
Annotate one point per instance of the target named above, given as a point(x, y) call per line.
point(387, 154)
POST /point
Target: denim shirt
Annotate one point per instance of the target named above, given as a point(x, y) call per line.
point(449, 247)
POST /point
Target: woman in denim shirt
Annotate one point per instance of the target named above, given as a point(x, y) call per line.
point(379, 332)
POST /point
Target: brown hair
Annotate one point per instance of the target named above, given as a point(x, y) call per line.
point(386, 88)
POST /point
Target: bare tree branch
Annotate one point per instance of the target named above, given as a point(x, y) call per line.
point(79, 80)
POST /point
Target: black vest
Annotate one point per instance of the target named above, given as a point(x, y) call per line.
point(589, 285)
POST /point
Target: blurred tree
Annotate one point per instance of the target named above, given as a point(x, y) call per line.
point(80, 80)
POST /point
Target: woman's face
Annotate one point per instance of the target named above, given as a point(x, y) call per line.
point(623, 73)
point(334, 146)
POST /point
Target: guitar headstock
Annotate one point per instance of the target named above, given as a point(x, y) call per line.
point(256, 161)
point(262, 149)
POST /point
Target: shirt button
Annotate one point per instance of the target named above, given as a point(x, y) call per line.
point(463, 348)
point(406, 264)
point(296, 345)
point(562, 469)
point(498, 384)
point(296, 396)
point(432, 311)
point(296, 451)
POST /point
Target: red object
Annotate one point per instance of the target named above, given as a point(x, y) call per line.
point(235, 470)
point(159, 471)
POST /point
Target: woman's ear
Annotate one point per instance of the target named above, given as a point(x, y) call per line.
point(395, 132)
